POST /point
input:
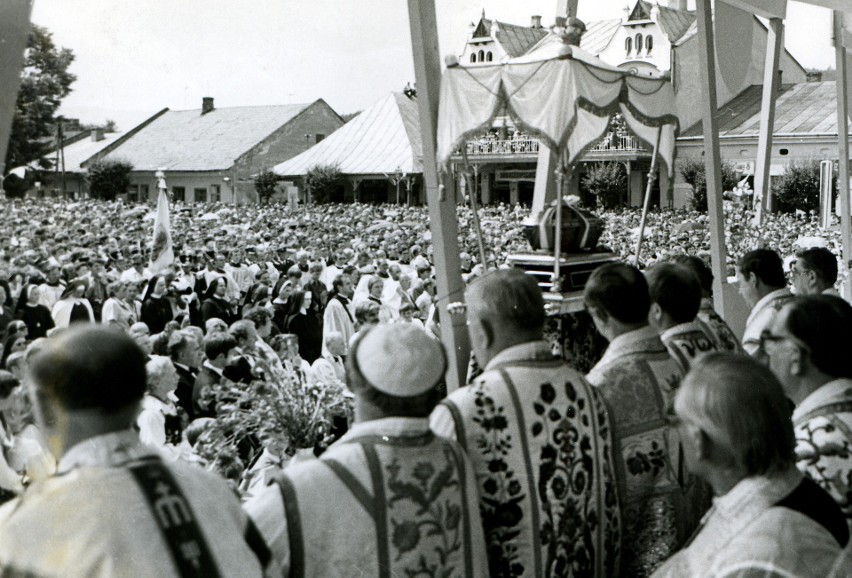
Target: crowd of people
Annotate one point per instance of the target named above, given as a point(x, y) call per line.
point(684, 451)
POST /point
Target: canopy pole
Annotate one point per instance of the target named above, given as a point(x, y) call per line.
point(472, 190)
point(563, 172)
point(14, 30)
point(442, 204)
point(652, 176)
point(843, 150)
point(712, 154)
point(771, 82)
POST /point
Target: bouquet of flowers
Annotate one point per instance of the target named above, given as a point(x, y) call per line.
point(282, 413)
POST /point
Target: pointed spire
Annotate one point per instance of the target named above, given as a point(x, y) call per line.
point(483, 12)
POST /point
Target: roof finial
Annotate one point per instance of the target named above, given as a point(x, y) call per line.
point(483, 12)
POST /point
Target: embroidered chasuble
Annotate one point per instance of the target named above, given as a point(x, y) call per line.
point(661, 503)
point(388, 499)
point(539, 439)
point(726, 339)
point(687, 342)
point(823, 427)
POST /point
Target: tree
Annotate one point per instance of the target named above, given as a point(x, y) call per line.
point(693, 172)
point(45, 81)
point(607, 181)
point(109, 178)
point(323, 181)
point(798, 188)
point(265, 184)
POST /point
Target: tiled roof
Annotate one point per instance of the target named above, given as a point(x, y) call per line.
point(381, 139)
point(515, 40)
point(189, 141)
point(805, 109)
point(674, 23)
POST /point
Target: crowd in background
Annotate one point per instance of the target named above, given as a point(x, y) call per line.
point(256, 291)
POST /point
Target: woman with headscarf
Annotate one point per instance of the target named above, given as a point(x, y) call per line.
point(73, 307)
point(36, 316)
point(156, 309)
point(12, 344)
point(216, 304)
point(306, 325)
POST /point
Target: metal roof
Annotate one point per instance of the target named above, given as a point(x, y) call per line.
point(805, 109)
point(78, 152)
point(190, 141)
point(381, 139)
point(674, 23)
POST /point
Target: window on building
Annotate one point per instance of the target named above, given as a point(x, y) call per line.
point(628, 44)
point(649, 43)
point(481, 56)
point(215, 193)
point(133, 193)
point(143, 192)
point(179, 194)
point(638, 43)
point(318, 137)
point(488, 56)
point(473, 57)
point(784, 152)
point(200, 195)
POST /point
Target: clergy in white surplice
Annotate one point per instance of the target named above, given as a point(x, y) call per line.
point(390, 498)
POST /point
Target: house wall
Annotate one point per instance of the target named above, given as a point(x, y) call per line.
point(660, 57)
point(488, 45)
point(285, 143)
point(742, 152)
point(190, 181)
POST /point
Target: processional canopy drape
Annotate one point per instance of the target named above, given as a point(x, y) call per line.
point(562, 95)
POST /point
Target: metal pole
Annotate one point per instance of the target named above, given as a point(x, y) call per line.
point(442, 205)
point(771, 82)
point(842, 63)
point(652, 175)
point(561, 173)
point(712, 155)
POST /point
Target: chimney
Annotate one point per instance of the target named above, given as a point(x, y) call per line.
point(206, 104)
point(97, 135)
point(535, 22)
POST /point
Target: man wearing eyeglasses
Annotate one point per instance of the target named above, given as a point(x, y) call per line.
point(809, 348)
point(763, 286)
point(814, 272)
point(767, 518)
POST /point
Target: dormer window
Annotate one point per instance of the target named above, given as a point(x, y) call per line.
point(638, 43)
point(481, 56)
point(628, 45)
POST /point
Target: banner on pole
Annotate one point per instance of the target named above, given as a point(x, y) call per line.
point(162, 254)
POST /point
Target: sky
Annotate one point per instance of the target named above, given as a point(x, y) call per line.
point(134, 58)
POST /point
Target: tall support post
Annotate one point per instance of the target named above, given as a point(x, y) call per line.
point(442, 204)
point(566, 8)
point(771, 82)
point(712, 155)
point(843, 150)
point(14, 29)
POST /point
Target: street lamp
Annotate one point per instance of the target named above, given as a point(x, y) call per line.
point(396, 178)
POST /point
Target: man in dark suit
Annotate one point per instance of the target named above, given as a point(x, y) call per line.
point(185, 353)
point(219, 348)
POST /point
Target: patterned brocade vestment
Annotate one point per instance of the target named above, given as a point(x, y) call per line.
point(761, 317)
point(388, 499)
point(726, 339)
point(539, 439)
point(687, 342)
point(823, 428)
point(661, 504)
